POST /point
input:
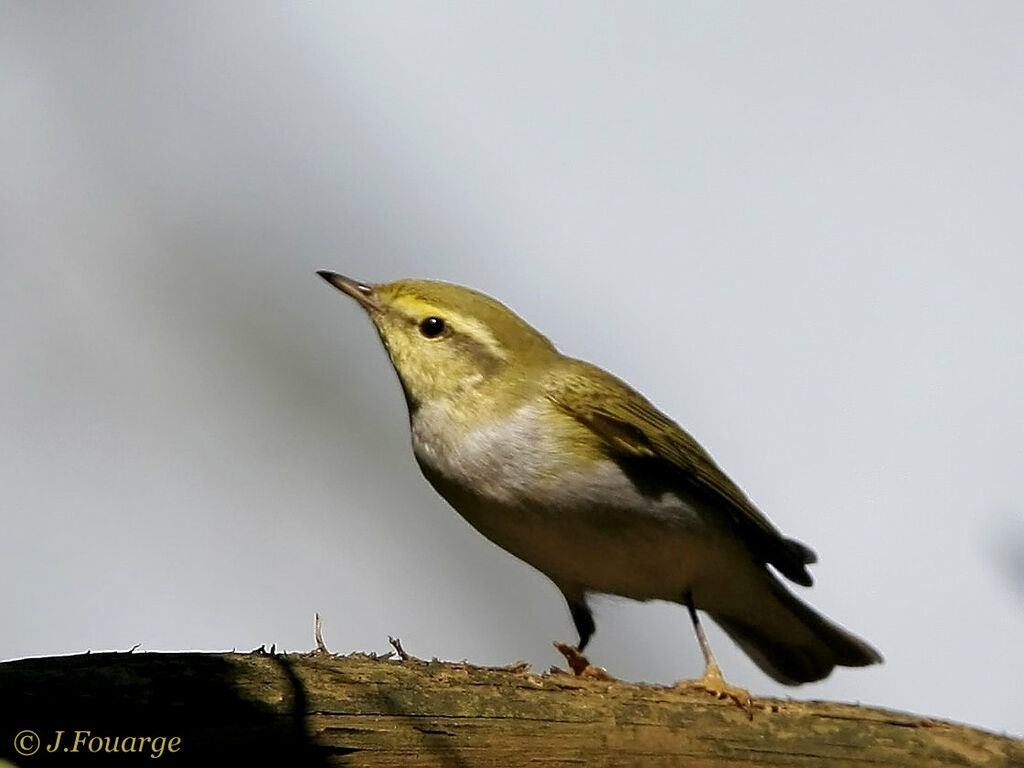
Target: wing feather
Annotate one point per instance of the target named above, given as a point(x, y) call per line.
point(633, 430)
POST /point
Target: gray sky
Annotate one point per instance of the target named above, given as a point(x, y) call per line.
point(796, 227)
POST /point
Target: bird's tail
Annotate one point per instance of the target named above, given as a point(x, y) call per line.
point(793, 643)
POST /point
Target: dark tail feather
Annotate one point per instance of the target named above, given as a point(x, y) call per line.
point(823, 644)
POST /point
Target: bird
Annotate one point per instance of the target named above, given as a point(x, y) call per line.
point(574, 472)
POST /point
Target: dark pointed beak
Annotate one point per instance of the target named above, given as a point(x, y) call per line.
point(361, 292)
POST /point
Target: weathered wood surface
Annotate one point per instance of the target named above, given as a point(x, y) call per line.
point(363, 711)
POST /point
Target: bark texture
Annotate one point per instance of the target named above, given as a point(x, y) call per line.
point(360, 710)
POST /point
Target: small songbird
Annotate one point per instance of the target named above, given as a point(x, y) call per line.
point(574, 472)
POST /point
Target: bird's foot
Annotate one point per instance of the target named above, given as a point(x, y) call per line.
point(715, 684)
point(579, 665)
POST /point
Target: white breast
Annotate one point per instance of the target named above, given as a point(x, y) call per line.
point(584, 526)
point(503, 460)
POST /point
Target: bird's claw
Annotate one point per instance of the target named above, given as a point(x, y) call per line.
point(579, 664)
point(715, 684)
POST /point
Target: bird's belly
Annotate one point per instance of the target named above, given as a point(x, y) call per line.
point(583, 523)
point(602, 536)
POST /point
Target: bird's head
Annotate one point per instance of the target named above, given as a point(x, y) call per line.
point(444, 339)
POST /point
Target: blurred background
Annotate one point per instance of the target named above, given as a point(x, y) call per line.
point(796, 227)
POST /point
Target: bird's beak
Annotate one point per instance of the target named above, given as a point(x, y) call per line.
point(361, 292)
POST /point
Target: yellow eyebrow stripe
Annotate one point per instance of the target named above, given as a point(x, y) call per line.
point(418, 309)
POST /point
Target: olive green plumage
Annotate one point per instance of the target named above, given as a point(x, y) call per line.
point(573, 471)
point(631, 428)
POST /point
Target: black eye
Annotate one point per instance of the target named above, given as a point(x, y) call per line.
point(432, 327)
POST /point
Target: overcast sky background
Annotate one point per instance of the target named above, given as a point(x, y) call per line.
point(796, 227)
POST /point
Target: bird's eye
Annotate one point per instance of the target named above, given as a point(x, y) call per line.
point(432, 327)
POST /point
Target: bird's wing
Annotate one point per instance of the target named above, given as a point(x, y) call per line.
point(633, 430)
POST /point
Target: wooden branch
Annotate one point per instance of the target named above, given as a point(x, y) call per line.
point(361, 710)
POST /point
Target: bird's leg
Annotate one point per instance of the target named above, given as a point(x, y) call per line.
point(712, 681)
point(582, 618)
point(584, 621)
